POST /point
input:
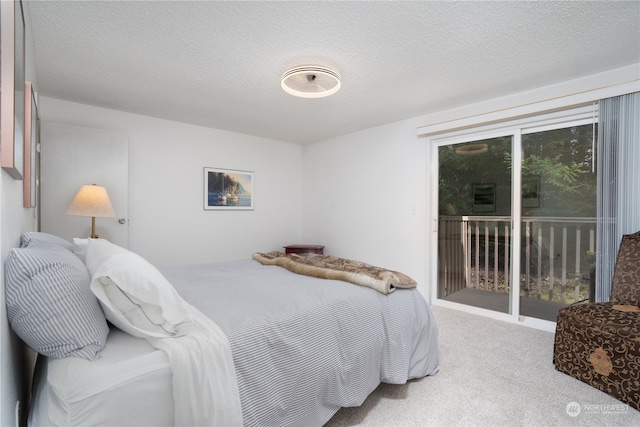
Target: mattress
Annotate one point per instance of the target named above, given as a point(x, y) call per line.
point(302, 348)
point(130, 385)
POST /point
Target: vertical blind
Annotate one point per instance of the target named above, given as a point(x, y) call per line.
point(618, 202)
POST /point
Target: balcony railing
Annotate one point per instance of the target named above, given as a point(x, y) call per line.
point(556, 256)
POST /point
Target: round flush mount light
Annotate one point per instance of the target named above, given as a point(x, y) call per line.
point(310, 81)
point(470, 149)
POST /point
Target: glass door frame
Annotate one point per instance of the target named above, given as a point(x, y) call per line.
point(514, 129)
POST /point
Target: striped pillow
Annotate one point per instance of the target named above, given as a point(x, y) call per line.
point(31, 238)
point(50, 305)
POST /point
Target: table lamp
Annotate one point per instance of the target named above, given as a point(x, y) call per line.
point(92, 200)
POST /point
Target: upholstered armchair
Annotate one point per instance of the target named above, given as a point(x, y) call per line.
point(599, 343)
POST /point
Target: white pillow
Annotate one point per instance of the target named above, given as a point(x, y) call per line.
point(101, 250)
point(134, 295)
point(80, 249)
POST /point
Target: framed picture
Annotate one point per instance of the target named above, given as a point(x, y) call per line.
point(531, 191)
point(12, 91)
point(31, 137)
point(226, 189)
point(484, 197)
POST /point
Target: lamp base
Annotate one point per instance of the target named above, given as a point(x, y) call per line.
point(93, 228)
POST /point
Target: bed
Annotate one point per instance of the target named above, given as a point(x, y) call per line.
point(300, 347)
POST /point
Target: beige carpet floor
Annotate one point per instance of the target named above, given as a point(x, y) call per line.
point(492, 373)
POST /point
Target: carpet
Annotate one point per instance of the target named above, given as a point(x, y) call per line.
point(492, 373)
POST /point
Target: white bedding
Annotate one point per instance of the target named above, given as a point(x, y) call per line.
point(139, 300)
point(302, 348)
point(205, 391)
point(131, 376)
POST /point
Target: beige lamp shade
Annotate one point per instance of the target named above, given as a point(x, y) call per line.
point(92, 200)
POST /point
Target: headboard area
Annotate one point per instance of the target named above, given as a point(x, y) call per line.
point(17, 362)
point(16, 359)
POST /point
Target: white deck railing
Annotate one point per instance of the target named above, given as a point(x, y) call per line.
point(474, 252)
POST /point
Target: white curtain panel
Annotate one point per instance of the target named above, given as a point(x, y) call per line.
point(618, 162)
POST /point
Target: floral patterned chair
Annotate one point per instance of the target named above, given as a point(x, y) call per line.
point(599, 343)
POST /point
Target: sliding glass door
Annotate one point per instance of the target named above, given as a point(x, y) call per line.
point(558, 220)
point(474, 224)
point(516, 218)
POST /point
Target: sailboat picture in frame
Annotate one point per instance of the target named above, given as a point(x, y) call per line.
point(227, 189)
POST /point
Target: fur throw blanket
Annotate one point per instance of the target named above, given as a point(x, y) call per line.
point(331, 267)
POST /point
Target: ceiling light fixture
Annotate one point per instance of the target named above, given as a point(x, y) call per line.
point(310, 81)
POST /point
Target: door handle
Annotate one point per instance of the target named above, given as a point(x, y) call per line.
point(122, 221)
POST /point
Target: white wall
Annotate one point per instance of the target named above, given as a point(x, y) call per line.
point(361, 190)
point(364, 197)
point(15, 359)
point(168, 225)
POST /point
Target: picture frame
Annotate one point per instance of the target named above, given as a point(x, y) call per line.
point(12, 69)
point(31, 138)
point(484, 197)
point(228, 189)
point(531, 191)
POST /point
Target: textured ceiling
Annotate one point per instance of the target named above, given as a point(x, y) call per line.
point(218, 63)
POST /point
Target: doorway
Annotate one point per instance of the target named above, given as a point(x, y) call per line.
point(516, 218)
point(72, 156)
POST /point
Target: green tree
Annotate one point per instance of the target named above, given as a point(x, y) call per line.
point(561, 159)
